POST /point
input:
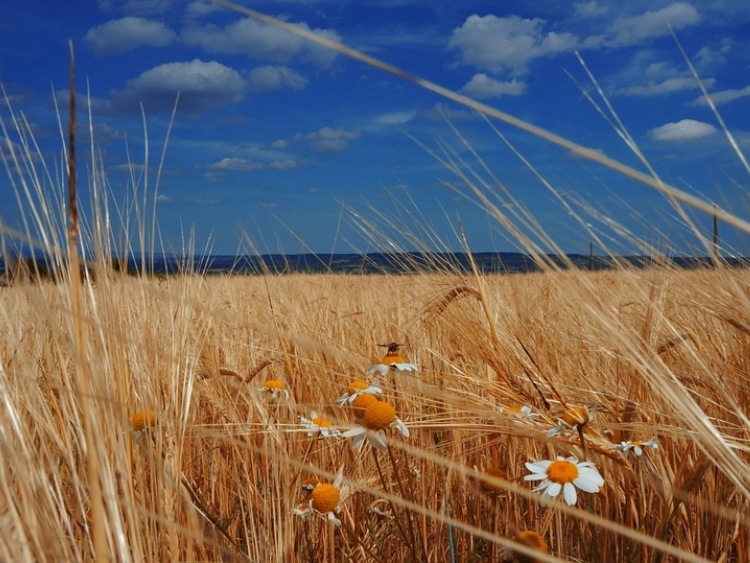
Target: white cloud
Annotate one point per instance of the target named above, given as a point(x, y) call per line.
point(665, 86)
point(482, 87)
point(235, 164)
point(501, 44)
point(590, 9)
point(395, 118)
point(331, 141)
point(723, 96)
point(260, 41)
point(267, 78)
point(126, 34)
point(684, 130)
point(202, 85)
point(629, 30)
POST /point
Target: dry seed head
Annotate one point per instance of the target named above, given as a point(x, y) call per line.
point(361, 403)
point(325, 497)
point(379, 415)
point(143, 419)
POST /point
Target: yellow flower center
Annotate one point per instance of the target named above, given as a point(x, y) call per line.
point(562, 472)
point(143, 419)
point(531, 539)
point(325, 497)
point(497, 473)
point(389, 359)
point(379, 415)
point(576, 416)
point(355, 386)
point(319, 421)
point(514, 410)
point(361, 403)
point(272, 384)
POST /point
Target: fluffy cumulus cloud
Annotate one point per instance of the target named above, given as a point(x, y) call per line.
point(260, 41)
point(683, 130)
point(482, 87)
point(267, 78)
point(507, 44)
point(126, 34)
point(629, 30)
point(329, 140)
point(202, 85)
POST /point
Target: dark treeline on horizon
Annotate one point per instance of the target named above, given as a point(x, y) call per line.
point(372, 263)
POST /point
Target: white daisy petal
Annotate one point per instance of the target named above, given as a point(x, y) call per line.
point(377, 439)
point(539, 466)
point(378, 369)
point(553, 490)
point(569, 494)
point(399, 425)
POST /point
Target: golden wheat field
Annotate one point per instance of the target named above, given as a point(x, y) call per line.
point(217, 415)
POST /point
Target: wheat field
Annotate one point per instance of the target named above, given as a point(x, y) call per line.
point(199, 462)
point(441, 415)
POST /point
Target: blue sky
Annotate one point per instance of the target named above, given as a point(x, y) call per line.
point(281, 145)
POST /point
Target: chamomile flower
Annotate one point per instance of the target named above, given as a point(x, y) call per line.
point(636, 447)
point(143, 419)
point(575, 418)
point(564, 475)
point(324, 501)
point(376, 418)
point(520, 412)
point(392, 361)
point(275, 389)
point(319, 427)
point(532, 540)
point(355, 389)
point(382, 512)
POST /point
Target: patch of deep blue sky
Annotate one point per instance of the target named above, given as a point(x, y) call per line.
point(288, 146)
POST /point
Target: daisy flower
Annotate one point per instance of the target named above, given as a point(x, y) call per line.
point(324, 501)
point(355, 389)
point(636, 447)
point(564, 475)
point(143, 419)
point(376, 418)
point(531, 540)
point(383, 513)
point(392, 361)
point(520, 412)
point(275, 389)
point(573, 418)
point(319, 426)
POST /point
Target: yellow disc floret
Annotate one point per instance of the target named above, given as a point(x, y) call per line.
point(379, 415)
point(356, 385)
point(530, 539)
point(143, 419)
point(562, 472)
point(325, 497)
point(361, 403)
point(322, 422)
point(576, 416)
point(274, 384)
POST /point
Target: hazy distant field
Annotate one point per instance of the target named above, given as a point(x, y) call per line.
point(218, 475)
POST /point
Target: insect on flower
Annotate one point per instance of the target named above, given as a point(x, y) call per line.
point(275, 389)
point(377, 417)
point(564, 475)
point(143, 419)
point(392, 361)
point(355, 389)
point(636, 447)
point(575, 418)
point(324, 501)
point(319, 426)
